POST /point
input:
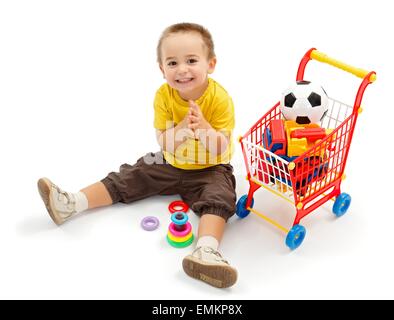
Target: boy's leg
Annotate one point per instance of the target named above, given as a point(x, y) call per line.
point(149, 176)
point(206, 263)
point(97, 195)
point(210, 231)
point(211, 226)
point(211, 195)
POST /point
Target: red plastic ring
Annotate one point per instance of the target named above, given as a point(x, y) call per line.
point(177, 204)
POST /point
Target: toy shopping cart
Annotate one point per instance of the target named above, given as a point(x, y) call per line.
point(314, 177)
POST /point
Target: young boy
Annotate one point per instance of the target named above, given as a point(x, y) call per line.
point(194, 118)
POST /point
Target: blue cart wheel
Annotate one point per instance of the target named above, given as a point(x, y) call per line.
point(241, 210)
point(295, 236)
point(341, 204)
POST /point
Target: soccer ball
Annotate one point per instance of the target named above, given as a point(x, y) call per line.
point(304, 103)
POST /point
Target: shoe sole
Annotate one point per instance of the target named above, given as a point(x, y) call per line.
point(210, 273)
point(44, 188)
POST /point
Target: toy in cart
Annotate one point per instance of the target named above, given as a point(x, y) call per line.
point(299, 148)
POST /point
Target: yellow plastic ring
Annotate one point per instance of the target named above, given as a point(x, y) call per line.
point(179, 239)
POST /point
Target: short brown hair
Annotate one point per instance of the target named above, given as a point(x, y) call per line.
point(187, 27)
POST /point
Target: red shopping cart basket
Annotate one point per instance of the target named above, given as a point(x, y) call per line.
point(314, 177)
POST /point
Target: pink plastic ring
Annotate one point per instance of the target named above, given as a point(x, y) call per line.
point(150, 223)
point(180, 234)
point(175, 205)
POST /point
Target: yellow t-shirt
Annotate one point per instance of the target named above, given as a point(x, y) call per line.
point(218, 109)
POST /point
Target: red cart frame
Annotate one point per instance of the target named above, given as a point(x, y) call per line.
point(314, 177)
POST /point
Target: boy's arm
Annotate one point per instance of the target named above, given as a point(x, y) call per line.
point(170, 139)
point(214, 141)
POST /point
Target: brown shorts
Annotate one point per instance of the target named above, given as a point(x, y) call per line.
point(210, 190)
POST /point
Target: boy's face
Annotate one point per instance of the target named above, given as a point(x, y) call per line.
point(185, 65)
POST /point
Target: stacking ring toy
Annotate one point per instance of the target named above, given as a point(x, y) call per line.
point(179, 218)
point(150, 223)
point(175, 205)
point(180, 234)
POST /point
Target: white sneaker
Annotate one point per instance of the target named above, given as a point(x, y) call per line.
point(60, 204)
point(207, 264)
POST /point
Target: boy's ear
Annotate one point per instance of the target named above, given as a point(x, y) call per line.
point(162, 70)
point(212, 65)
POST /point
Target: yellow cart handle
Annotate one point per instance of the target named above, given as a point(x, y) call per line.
point(322, 57)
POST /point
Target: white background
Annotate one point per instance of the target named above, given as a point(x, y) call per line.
point(77, 81)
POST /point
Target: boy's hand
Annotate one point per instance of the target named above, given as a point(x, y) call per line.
point(214, 141)
point(183, 128)
point(196, 119)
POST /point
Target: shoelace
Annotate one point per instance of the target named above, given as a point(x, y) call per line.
point(212, 251)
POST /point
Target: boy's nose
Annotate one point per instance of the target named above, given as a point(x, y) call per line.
point(182, 68)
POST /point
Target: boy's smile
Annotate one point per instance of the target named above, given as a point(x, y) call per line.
point(185, 65)
point(184, 80)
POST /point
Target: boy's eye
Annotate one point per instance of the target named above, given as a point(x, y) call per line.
point(171, 63)
point(192, 61)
